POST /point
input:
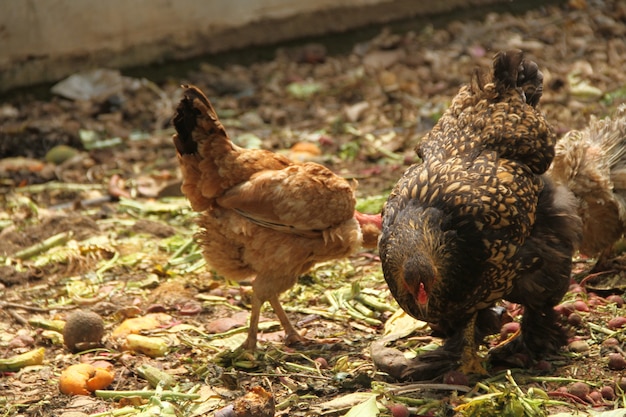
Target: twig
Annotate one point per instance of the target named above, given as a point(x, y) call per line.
point(282, 375)
point(40, 247)
point(531, 378)
point(17, 316)
point(321, 313)
point(87, 202)
point(553, 379)
point(413, 402)
point(54, 186)
point(88, 301)
point(298, 367)
point(591, 276)
point(601, 329)
point(568, 396)
point(422, 386)
point(4, 304)
point(115, 413)
point(189, 243)
point(172, 395)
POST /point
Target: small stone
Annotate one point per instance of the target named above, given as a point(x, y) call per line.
point(399, 410)
point(580, 305)
point(617, 323)
point(608, 393)
point(575, 319)
point(578, 346)
point(619, 301)
point(579, 389)
point(322, 363)
point(596, 396)
point(455, 378)
point(616, 362)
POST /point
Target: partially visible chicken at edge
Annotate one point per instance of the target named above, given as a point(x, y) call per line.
point(263, 217)
point(592, 164)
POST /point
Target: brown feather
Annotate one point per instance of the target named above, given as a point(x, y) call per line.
point(592, 164)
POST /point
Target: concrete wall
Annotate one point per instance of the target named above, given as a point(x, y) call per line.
point(45, 40)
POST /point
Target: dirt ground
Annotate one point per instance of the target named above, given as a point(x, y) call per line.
point(92, 219)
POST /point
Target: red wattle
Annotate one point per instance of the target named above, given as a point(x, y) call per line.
point(422, 297)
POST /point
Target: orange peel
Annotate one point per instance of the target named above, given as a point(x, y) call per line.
point(84, 378)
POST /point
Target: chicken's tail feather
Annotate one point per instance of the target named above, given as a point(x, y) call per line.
point(511, 70)
point(193, 110)
point(506, 66)
point(613, 134)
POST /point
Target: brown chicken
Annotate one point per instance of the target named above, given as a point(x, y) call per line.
point(477, 221)
point(264, 218)
point(592, 164)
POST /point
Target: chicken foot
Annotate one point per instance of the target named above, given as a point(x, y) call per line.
point(291, 334)
point(471, 362)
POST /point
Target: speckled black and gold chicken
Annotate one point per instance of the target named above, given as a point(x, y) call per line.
point(476, 221)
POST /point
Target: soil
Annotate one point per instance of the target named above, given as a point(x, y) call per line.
point(93, 219)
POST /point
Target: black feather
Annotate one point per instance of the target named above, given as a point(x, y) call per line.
point(506, 67)
point(185, 121)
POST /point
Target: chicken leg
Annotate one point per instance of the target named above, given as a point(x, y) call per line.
point(255, 313)
point(471, 362)
point(291, 334)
